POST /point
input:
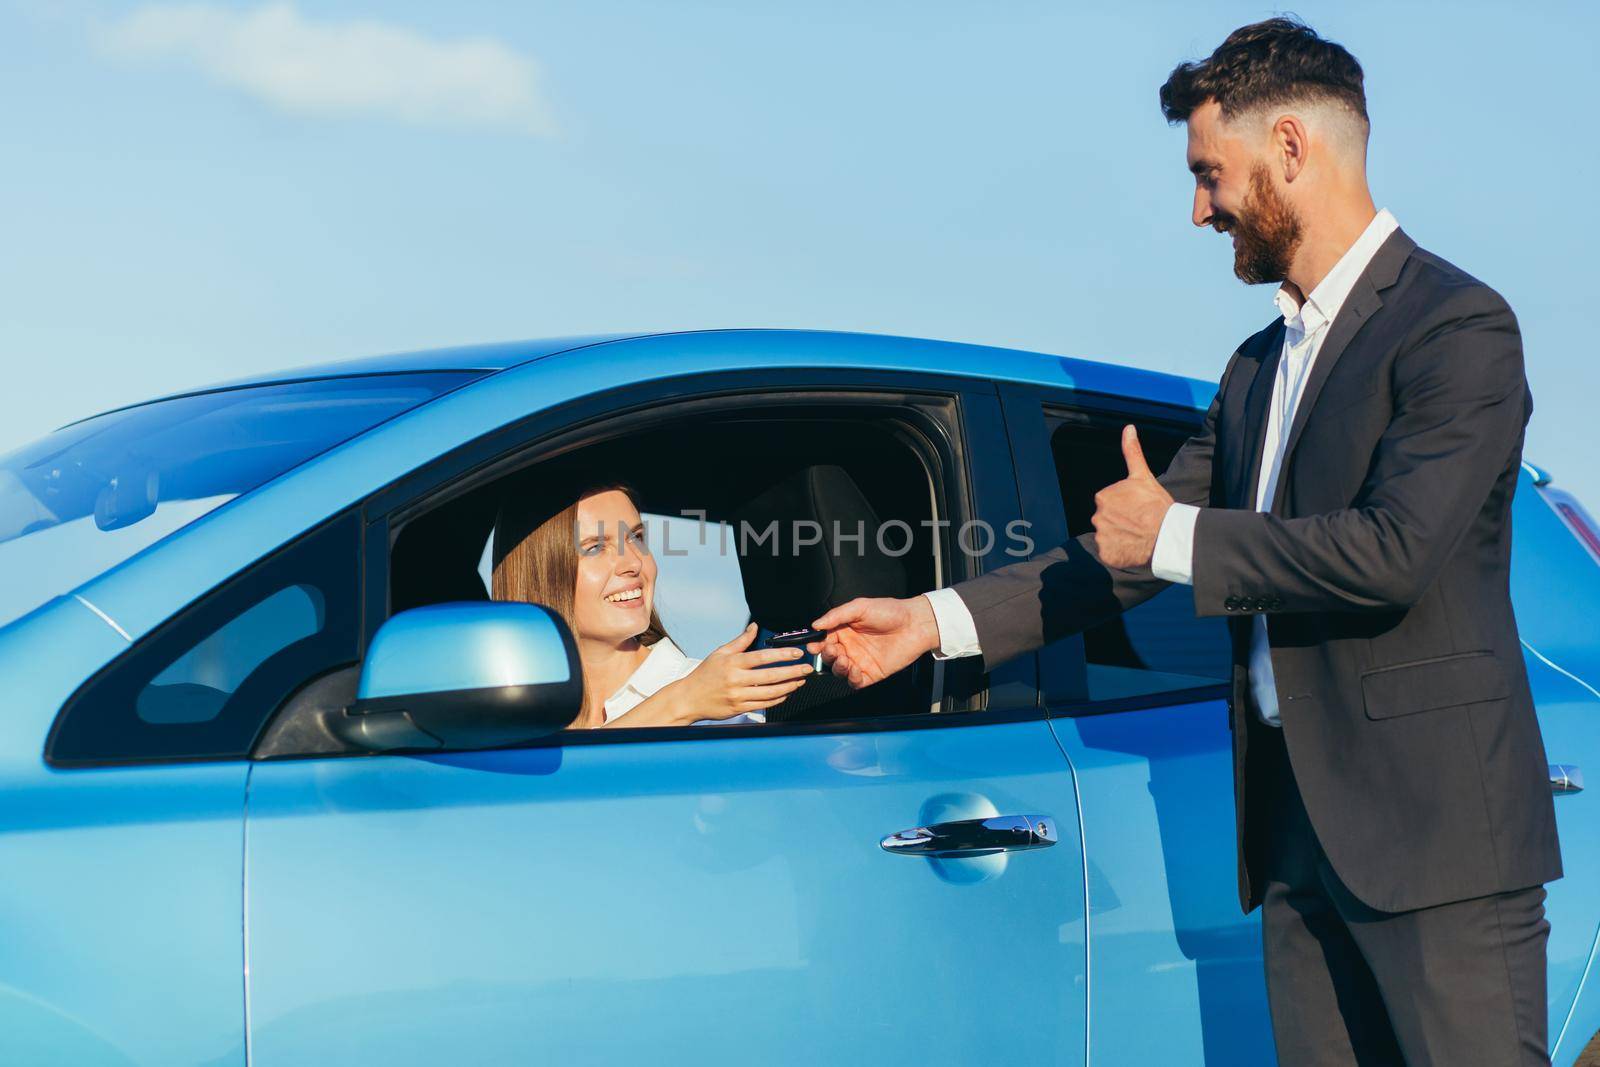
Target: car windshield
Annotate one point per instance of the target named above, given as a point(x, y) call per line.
point(77, 502)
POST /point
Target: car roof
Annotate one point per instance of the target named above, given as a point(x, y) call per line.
point(497, 356)
point(860, 348)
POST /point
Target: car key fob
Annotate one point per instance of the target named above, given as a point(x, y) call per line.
point(796, 639)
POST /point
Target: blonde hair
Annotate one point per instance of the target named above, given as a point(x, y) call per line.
point(536, 558)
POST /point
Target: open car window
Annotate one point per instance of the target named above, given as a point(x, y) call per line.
point(697, 563)
point(772, 520)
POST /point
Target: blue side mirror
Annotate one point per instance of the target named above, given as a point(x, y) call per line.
point(465, 676)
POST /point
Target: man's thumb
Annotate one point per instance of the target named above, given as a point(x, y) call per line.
point(843, 615)
point(1134, 454)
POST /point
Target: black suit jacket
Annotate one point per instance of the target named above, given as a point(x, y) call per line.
point(1384, 567)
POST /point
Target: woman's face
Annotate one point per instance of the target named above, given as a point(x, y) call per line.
point(616, 573)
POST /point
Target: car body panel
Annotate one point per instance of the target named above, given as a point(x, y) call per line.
point(1555, 585)
point(1167, 939)
point(713, 901)
point(120, 908)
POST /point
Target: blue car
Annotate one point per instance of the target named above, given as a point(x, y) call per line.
point(282, 786)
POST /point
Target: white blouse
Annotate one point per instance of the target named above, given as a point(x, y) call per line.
point(665, 664)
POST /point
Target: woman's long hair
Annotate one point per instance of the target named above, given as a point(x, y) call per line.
point(536, 555)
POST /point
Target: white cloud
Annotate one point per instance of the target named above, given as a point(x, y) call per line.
point(347, 69)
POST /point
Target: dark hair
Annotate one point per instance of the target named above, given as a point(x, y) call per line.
point(1278, 61)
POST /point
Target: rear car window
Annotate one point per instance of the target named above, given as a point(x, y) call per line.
point(1160, 646)
point(79, 501)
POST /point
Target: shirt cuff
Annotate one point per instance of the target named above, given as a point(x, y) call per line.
point(958, 634)
point(1173, 559)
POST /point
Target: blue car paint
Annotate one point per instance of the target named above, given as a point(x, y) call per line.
point(710, 901)
point(120, 905)
point(152, 858)
point(445, 647)
point(1555, 584)
point(484, 357)
point(1167, 938)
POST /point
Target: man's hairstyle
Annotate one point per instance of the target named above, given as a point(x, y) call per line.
point(1272, 63)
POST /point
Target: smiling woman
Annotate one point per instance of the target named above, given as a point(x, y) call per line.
point(591, 564)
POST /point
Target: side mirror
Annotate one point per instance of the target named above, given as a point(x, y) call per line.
point(465, 676)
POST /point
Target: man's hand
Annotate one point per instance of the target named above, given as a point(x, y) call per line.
point(1128, 515)
point(870, 638)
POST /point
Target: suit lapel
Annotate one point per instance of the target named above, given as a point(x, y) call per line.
point(1362, 303)
point(1257, 406)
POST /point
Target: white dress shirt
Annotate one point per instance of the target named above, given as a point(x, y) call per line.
point(1305, 327)
point(665, 664)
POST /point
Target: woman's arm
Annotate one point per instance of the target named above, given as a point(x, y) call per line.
point(664, 707)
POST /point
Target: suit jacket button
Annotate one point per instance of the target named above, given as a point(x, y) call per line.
point(1261, 603)
point(1277, 604)
point(1231, 604)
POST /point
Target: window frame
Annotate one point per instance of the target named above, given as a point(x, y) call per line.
point(327, 556)
point(1031, 426)
point(978, 483)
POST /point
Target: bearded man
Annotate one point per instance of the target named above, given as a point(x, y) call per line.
point(1347, 507)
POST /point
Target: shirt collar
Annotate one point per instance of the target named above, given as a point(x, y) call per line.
point(665, 664)
point(1322, 306)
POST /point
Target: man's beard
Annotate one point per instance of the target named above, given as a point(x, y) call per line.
point(1266, 232)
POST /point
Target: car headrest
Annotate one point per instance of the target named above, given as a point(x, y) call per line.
point(435, 558)
point(813, 560)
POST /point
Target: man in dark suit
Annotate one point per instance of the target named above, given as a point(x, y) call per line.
point(1347, 507)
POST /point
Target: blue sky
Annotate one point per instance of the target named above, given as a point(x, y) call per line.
point(200, 191)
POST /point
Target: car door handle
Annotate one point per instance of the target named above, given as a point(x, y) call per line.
point(1565, 778)
point(974, 837)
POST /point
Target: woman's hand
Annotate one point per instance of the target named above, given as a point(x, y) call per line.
point(732, 681)
point(728, 682)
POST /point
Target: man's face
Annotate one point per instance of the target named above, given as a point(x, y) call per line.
point(1235, 193)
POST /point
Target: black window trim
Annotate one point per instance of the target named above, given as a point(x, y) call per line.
point(1030, 424)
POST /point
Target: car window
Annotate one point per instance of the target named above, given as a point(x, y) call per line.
point(203, 685)
point(802, 514)
point(77, 502)
point(702, 601)
point(199, 683)
point(1159, 646)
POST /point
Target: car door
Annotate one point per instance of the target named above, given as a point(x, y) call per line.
point(1139, 706)
point(707, 895)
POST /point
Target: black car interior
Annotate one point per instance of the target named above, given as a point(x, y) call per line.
point(772, 476)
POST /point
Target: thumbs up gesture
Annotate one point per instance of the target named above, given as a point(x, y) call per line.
point(1128, 514)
